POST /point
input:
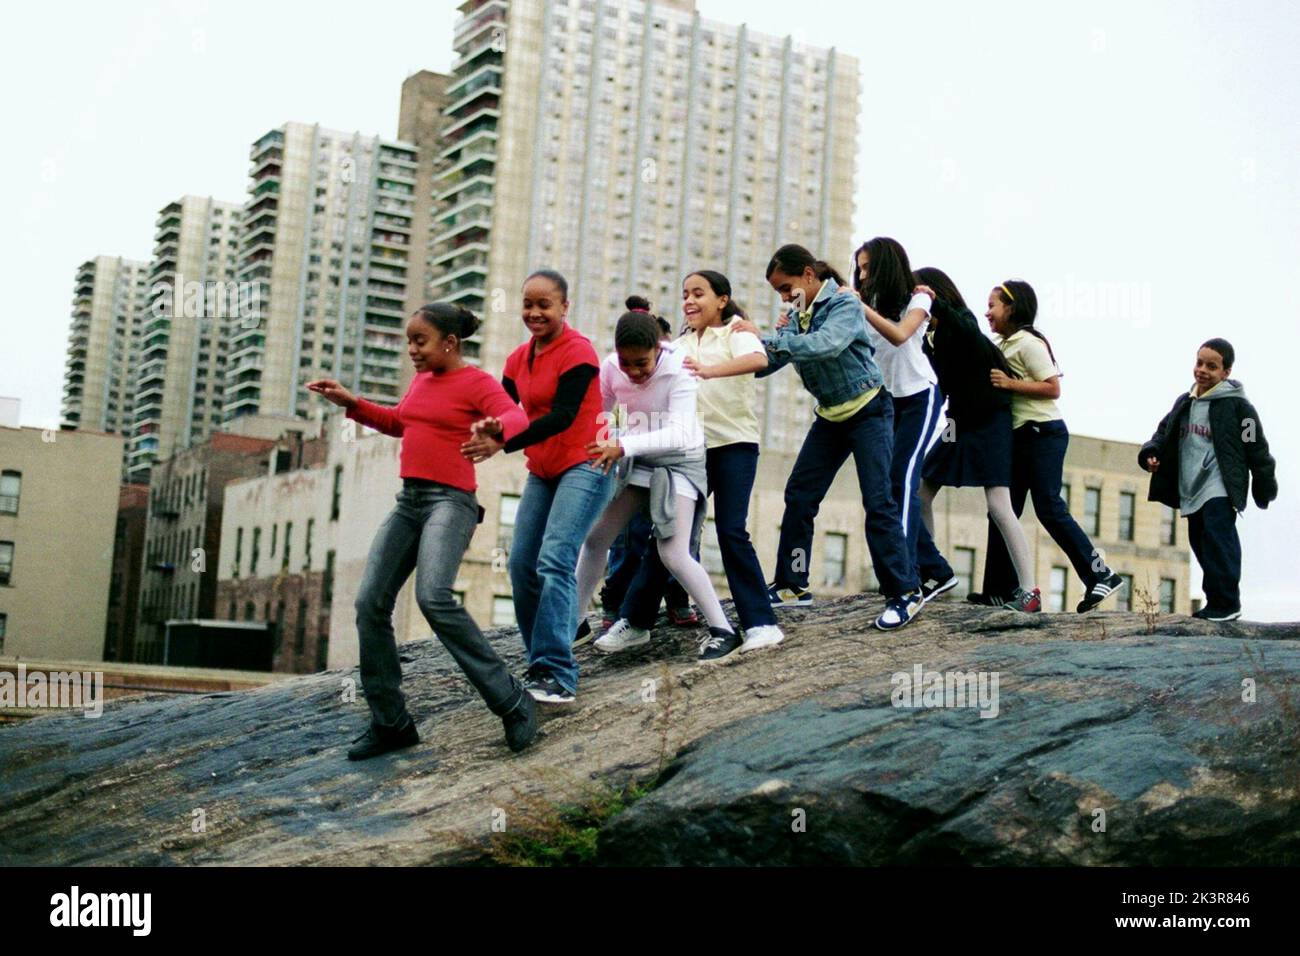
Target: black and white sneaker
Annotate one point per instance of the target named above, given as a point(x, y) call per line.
point(546, 689)
point(1214, 614)
point(988, 600)
point(583, 635)
point(932, 589)
point(779, 596)
point(719, 645)
point(1112, 583)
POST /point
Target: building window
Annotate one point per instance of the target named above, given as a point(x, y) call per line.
point(327, 580)
point(338, 488)
point(239, 550)
point(275, 533)
point(300, 629)
point(1168, 525)
point(306, 559)
point(1127, 504)
point(1056, 590)
point(710, 553)
point(1124, 600)
point(963, 565)
point(257, 548)
point(11, 483)
point(1166, 595)
point(4, 626)
point(837, 547)
point(249, 610)
point(288, 539)
point(506, 522)
point(1092, 510)
point(503, 611)
point(6, 561)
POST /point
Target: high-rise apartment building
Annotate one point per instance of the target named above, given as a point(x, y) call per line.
point(626, 142)
point(325, 241)
point(99, 374)
point(183, 325)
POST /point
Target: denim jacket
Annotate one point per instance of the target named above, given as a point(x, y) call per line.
point(834, 358)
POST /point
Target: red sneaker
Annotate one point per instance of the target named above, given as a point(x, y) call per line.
point(682, 616)
point(1031, 602)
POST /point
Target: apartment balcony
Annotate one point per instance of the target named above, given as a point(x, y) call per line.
point(389, 170)
point(168, 233)
point(151, 370)
point(407, 159)
point(478, 180)
point(240, 402)
point(487, 73)
point(267, 203)
point(455, 280)
point(494, 11)
point(274, 156)
point(472, 298)
point(244, 343)
point(447, 216)
point(481, 49)
point(272, 140)
point(169, 215)
point(390, 242)
point(489, 88)
point(266, 187)
point(479, 224)
point(477, 160)
point(470, 128)
point(474, 252)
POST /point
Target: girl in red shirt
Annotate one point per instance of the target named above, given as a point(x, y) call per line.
point(554, 375)
point(430, 529)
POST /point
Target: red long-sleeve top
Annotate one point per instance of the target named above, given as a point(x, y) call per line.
point(433, 420)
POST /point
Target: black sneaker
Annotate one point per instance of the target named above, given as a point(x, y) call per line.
point(583, 634)
point(1112, 583)
point(719, 645)
point(932, 589)
point(988, 600)
point(779, 596)
point(380, 740)
point(520, 722)
point(1214, 614)
point(545, 688)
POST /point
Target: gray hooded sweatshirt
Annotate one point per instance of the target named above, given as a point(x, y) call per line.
point(1199, 477)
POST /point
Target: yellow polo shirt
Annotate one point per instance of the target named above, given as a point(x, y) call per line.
point(728, 407)
point(1029, 358)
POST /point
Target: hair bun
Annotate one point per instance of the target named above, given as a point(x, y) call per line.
point(636, 303)
point(469, 322)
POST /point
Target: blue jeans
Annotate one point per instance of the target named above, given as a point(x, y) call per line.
point(731, 470)
point(553, 519)
point(427, 532)
point(1037, 463)
point(916, 418)
point(869, 437)
point(1212, 533)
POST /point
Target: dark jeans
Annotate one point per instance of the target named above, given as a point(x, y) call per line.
point(625, 562)
point(916, 418)
point(1037, 463)
point(427, 532)
point(731, 470)
point(1212, 532)
point(869, 437)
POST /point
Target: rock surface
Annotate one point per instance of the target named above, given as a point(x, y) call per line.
point(1093, 713)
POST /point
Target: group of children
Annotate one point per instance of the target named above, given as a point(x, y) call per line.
point(629, 449)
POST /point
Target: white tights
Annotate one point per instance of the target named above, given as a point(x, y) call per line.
point(675, 552)
point(1000, 510)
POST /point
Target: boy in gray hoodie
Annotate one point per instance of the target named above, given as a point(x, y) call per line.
point(1214, 436)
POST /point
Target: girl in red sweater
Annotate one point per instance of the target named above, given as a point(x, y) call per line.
point(430, 529)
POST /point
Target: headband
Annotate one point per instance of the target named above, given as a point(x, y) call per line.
point(1004, 288)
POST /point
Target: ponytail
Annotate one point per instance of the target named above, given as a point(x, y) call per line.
point(721, 285)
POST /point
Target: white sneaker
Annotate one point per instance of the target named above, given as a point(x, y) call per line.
point(756, 638)
point(620, 637)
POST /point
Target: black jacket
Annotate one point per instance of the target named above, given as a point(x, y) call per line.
point(1231, 420)
point(962, 357)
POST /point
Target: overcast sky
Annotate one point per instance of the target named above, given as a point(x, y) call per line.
point(1138, 162)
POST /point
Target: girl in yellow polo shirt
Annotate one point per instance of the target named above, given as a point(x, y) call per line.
point(1039, 440)
point(724, 359)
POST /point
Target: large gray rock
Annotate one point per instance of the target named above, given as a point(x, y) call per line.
point(1088, 705)
point(1132, 751)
